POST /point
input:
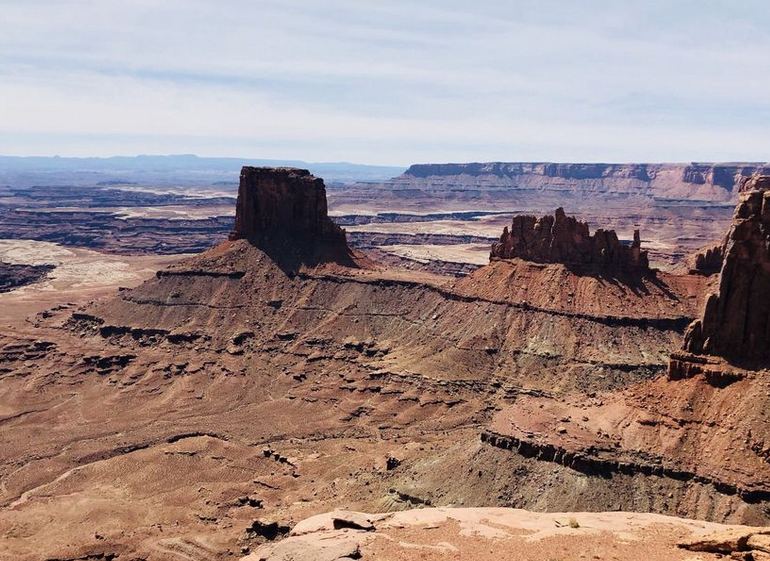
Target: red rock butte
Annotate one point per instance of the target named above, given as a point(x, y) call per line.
point(563, 239)
point(283, 212)
point(280, 203)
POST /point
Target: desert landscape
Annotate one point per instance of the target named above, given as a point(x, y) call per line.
point(384, 281)
point(213, 406)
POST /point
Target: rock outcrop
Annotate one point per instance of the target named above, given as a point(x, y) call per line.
point(283, 212)
point(563, 239)
point(486, 533)
point(283, 203)
point(707, 261)
point(14, 275)
point(736, 321)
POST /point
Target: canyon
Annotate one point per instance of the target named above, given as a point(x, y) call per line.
point(183, 204)
point(219, 408)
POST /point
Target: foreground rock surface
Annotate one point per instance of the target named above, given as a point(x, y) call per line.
point(563, 239)
point(487, 534)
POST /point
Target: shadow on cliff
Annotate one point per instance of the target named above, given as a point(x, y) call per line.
point(291, 255)
point(637, 281)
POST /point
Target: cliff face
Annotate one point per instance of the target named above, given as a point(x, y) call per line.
point(563, 239)
point(708, 261)
point(695, 181)
point(280, 203)
point(736, 320)
point(545, 169)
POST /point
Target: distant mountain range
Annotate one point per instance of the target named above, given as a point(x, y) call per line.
point(182, 167)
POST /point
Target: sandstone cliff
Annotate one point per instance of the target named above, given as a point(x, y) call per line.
point(736, 321)
point(563, 239)
point(283, 211)
point(694, 181)
point(276, 203)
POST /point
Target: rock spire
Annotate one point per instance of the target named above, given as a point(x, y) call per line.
point(736, 320)
point(563, 239)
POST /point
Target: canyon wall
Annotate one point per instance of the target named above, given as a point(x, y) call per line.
point(693, 181)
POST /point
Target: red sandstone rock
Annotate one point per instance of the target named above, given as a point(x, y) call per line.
point(279, 203)
point(563, 239)
point(707, 261)
point(736, 321)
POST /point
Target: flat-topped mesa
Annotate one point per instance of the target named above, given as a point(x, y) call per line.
point(736, 321)
point(563, 239)
point(283, 204)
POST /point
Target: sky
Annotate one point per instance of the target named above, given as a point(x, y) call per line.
point(388, 82)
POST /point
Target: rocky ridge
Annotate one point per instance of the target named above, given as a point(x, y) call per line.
point(705, 423)
point(707, 261)
point(734, 331)
point(14, 275)
point(694, 181)
point(563, 239)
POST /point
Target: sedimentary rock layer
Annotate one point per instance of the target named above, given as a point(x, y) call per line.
point(563, 239)
point(695, 181)
point(14, 275)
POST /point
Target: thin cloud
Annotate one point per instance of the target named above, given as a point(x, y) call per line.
point(392, 82)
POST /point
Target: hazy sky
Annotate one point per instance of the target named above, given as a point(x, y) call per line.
point(389, 82)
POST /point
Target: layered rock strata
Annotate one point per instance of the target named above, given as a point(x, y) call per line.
point(736, 321)
point(563, 239)
point(693, 181)
point(14, 275)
